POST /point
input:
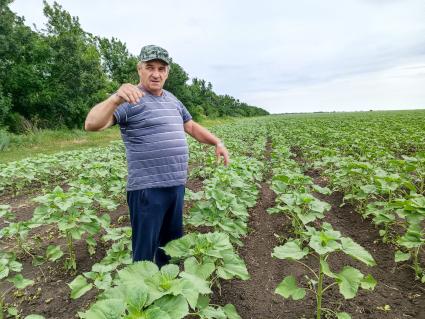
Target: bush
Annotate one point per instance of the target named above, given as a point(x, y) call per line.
point(5, 106)
point(4, 139)
point(15, 122)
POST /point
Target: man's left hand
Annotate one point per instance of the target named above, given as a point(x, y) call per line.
point(220, 150)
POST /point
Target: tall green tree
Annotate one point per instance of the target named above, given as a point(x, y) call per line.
point(76, 80)
point(22, 52)
point(117, 62)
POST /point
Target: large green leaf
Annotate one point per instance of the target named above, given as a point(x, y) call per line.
point(136, 298)
point(15, 266)
point(326, 269)
point(190, 287)
point(322, 190)
point(348, 281)
point(170, 271)
point(231, 312)
point(232, 266)
point(320, 206)
point(290, 250)
point(180, 247)
point(368, 282)
point(210, 312)
point(53, 252)
point(155, 313)
point(175, 306)
point(350, 247)
point(105, 309)
point(141, 269)
point(79, 286)
point(4, 271)
point(204, 271)
point(400, 256)
point(343, 315)
point(20, 282)
point(288, 288)
point(323, 244)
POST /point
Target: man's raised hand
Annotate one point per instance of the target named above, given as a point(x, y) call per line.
point(130, 93)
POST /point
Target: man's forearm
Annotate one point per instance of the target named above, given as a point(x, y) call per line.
point(201, 134)
point(102, 114)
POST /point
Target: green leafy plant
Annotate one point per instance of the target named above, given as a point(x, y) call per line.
point(210, 256)
point(142, 290)
point(10, 270)
point(321, 244)
point(412, 210)
point(71, 212)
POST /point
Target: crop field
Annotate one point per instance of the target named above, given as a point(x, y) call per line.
point(317, 216)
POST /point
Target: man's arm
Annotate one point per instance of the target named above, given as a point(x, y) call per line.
point(101, 116)
point(201, 134)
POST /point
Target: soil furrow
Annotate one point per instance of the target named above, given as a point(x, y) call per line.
point(255, 298)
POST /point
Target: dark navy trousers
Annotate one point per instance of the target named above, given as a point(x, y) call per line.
point(156, 216)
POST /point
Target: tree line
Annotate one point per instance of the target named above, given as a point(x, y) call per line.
point(50, 78)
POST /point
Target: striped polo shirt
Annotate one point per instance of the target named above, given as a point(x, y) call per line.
point(155, 141)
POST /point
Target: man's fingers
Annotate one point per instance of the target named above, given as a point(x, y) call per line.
point(130, 93)
point(226, 158)
point(135, 97)
point(123, 95)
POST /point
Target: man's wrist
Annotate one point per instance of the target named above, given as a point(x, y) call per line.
point(219, 144)
point(117, 98)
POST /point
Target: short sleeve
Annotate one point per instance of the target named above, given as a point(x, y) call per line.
point(185, 114)
point(121, 112)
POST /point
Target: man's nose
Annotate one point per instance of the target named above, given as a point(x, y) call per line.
point(155, 73)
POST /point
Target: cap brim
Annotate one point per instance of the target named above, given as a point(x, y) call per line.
point(146, 60)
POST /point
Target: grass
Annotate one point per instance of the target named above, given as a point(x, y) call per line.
point(50, 141)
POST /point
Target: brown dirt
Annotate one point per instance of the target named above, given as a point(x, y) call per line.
point(195, 185)
point(21, 205)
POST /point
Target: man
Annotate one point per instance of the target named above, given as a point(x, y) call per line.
point(153, 123)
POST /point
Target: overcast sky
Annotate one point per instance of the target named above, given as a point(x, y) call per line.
point(284, 56)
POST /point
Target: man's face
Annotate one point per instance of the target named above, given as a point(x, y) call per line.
point(153, 75)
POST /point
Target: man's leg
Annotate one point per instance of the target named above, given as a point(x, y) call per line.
point(172, 227)
point(146, 216)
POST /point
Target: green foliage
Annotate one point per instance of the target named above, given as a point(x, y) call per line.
point(205, 254)
point(5, 107)
point(51, 78)
point(4, 139)
point(142, 290)
point(322, 244)
point(117, 63)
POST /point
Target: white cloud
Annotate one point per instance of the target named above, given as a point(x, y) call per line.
point(392, 89)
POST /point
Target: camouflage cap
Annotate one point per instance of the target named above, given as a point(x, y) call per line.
point(154, 52)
